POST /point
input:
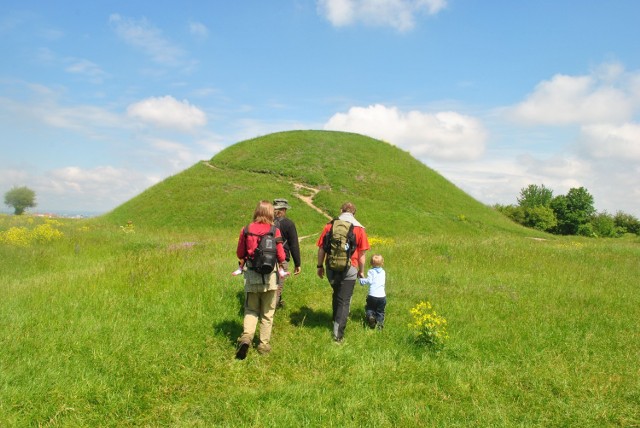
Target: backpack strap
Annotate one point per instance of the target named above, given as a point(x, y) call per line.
point(326, 241)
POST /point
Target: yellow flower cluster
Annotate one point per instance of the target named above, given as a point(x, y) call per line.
point(128, 228)
point(376, 240)
point(429, 327)
point(18, 236)
point(570, 245)
point(23, 237)
point(46, 232)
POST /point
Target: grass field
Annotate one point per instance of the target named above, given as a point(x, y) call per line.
point(104, 324)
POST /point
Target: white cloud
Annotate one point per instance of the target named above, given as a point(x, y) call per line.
point(614, 184)
point(88, 181)
point(500, 179)
point(198, 29)
point(88, 120)
point(444, 135)
point(598, 112)
point(620, 142)
point(86, 68)
point(398, 14)
point(338, 12)
point(558, 169)
point(606, 95)
point(168, 112)
point(85, 119)
point(10, 177)
point(178, 156)
point(211, 145)
point(144, 36)
point(77, 66)
point(92, 189)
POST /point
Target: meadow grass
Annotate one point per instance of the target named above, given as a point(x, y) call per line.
point(106, 328)
point(131, 319)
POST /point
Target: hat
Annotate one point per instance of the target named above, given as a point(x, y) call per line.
point(279, 204)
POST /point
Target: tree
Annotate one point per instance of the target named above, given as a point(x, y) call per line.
point(20, 198)
point(540, 217)
point(604, 225)
point(535, 196)
point(513, 212)
point(573, 210)
point(627, 223)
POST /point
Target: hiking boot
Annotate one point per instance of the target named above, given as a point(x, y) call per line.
point(241, 353)
point(264, 348)
point(371, 320)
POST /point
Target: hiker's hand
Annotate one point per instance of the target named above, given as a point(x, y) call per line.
point(297, 270)
point(321, 272)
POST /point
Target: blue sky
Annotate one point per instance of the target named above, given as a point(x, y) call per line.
point(100, 100)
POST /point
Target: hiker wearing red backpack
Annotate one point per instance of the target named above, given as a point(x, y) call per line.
point(260, 247)
point(342, 248)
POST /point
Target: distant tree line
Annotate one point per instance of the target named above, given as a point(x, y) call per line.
point(570, 214)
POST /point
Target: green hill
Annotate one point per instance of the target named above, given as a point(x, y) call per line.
point(394, 192)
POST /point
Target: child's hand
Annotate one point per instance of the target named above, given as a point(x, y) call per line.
point(283, 273)
point(363, 281)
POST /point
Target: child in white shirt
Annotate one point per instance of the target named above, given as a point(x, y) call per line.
point(377, 298)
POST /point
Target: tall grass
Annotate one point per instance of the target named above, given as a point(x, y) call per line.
point(114, 325)
point(105, 328)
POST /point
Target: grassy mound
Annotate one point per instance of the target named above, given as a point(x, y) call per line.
point(394, 192)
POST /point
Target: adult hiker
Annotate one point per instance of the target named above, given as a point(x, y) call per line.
point(260, 246)
point(291, 245)
point(342, 248)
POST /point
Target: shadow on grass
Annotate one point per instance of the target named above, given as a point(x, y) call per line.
point(230, 329)
point(307, 317)
point(357, 315)
point(240, 295)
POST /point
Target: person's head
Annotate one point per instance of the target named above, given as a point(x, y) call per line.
point(348, 207)
point(280, 205)
point(377, 260)
point(263, 213)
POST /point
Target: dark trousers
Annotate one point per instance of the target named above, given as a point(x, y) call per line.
point(341, 302)
point(375, 308)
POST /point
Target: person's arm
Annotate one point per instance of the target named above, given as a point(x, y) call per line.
point(366, 280)
point(280, 254)
point(294, 247)
point(362, 243)
point(241, 250)
point(362, 260)
point(321, 253)
point(320, 265)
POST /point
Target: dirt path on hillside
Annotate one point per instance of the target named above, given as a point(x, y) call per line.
point(308, 199)
point(210, 166)
point(297, 193)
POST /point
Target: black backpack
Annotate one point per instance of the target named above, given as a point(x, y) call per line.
point(264, 258)
point(339, 243)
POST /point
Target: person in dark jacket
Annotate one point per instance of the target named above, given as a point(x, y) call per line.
point(291, 245)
